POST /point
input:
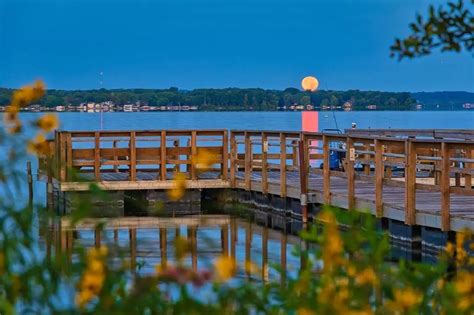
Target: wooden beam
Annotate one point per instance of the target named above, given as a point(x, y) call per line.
point(248, 162)
point(233, 157)
point(445, 188)
point(264, 163)
point(225, 155)
point(97, 156)
point(379, 170)
point(410, 182)
point(326, 172)
point(133, 157)
point(282, 165)
point(350, 158)
point(163, 155)
point(193, 154)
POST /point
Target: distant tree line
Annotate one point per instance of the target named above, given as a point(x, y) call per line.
point(224, 99)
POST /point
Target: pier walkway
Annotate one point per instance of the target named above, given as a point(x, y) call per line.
point(419, 177)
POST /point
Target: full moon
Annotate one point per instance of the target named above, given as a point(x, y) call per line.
point(310, 84)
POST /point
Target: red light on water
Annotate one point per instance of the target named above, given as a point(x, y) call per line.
point(309, 121)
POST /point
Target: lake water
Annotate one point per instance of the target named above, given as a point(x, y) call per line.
point(263, 120)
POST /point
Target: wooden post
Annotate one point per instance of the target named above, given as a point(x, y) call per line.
point(116, 236)
point(176, 157)
point(410, 182)
point(282, 165)
point(233, 158)
point(69, 159)
point(367, 160)
point(225, 155)
point(248, 162)
point(303, 181)
point(193, 154)
point(294, 154)
point(445, 188)
point(133, 157)
point(62, 155)
point(264, 163)
point(350, 159)
point(163, 155)
point(114, 145)
point(326, 171)
point(379, 170)
point(29, 176)
point(133, 249)
point(469, 166)
point(97, 156)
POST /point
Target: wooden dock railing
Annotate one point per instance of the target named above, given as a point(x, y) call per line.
point(396, 174)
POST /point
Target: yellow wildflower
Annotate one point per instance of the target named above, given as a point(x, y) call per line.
point(27, 94)
point(406, 298)
point(305, 311)
point(92, 282)
point(39, 146)
point(225, 268)
point(182, 247)
point(83, 297)
point(48, 122)
point(250, 267)
point(97, 252)
point(204, 159)
point(366, 276)
point(464, 283)
point(179, 187)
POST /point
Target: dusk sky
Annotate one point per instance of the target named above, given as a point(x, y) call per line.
point(219, 43)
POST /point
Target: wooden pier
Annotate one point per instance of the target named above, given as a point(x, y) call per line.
point(419, 177)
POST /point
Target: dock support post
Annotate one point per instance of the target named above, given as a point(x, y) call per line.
point(248, 161)
point(445, 188)
point(163, 155)
point(225, 155)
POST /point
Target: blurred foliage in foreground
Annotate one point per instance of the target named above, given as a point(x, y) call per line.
point(343, 272)
point(447, 28)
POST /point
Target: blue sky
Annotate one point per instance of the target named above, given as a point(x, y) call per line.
point(219, 43)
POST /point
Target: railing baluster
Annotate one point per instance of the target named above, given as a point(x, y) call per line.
point(233, 158)
point(163, 155)
point(282, 165)
point(133, 157)
point(225, 155)
point(445, 187)
point(379, 170)
point(326, 171)
point(350, 158)
point(410, 182)
point(97, 156)
point(264, 163)
point(193, 155)
point(248, 161)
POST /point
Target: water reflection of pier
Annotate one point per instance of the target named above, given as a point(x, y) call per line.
point(149, 241)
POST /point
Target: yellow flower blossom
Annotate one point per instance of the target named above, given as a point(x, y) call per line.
point(182, 247)
point(464, 283)
point(305, 311)
point(179, 187)
point(225, 268)
point(250, 267)
point(366, 276)
point(39, 146)
point(405, 299)
point(204, 159)
point(93, 278)
point(48, 122)
point(84, 297)
point(28, 93)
